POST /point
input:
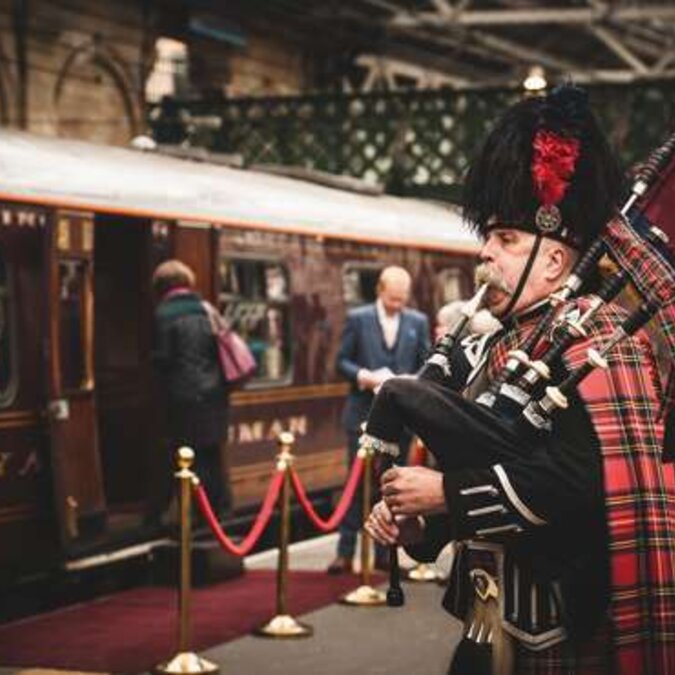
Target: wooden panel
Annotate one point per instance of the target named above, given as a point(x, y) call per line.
point(318, 471)
point(195, 245)
point(77, 466)
point(26, 514)
point(269, 66)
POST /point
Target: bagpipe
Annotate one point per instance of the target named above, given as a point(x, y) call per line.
point(508, 420)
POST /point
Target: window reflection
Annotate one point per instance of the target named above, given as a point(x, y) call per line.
point(254, 298)
point(359, 283)
point(449, 285)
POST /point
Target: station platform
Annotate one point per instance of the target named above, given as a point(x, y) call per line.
point(417, 638)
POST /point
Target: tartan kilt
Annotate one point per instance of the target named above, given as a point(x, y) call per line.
point(592, 657)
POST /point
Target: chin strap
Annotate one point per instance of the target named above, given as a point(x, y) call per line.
point(524, 276)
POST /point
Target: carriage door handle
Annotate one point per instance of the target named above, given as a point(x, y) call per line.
point(59, 409)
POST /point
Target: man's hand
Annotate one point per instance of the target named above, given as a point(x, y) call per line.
point(372, 380)
point(387, 529)
point(413, 490)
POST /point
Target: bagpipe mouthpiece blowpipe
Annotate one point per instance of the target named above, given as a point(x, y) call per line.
point(437, 367)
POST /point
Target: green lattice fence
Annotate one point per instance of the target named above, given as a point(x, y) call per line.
point(412, 143)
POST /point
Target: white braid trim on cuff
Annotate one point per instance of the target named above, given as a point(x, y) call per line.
point(370, 443)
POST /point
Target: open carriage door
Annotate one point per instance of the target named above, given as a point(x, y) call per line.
point(76, 466)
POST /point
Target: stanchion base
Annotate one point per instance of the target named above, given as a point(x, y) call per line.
point(284, 626)
point(423, 573)
point(365, 596)
point(186, 662)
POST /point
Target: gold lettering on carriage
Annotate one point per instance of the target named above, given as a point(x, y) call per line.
point(22, 217)
point(260, 430)
point(32, 465)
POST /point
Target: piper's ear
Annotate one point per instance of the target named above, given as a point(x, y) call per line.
point(557, 261)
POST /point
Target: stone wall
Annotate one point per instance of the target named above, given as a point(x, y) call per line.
point(77, 68)
point(72, 68)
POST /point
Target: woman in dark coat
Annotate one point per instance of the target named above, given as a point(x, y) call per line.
point(196, 396)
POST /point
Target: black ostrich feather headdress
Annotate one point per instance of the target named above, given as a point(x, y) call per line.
point(545, 168)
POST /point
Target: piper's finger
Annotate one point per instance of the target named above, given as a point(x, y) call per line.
point(400, 508)
point(379, 534)
point(388, 476)
point(389, 535)
point(389, 489)
point(392, 531)
point(390, 500)
point(386, 525)
point(373, 533)
point(385, 514)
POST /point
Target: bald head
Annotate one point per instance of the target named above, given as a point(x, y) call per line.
point(393, 289)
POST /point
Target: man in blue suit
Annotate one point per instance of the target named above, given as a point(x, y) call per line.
point(379, 341)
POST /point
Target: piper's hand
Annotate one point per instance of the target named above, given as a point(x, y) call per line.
point(387, 529)
point(413, 490)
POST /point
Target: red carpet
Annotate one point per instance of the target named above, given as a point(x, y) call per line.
point(134, 630)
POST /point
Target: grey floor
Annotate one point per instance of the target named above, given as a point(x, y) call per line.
point(418, 638)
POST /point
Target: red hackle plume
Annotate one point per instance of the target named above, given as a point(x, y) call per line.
point(553, 164)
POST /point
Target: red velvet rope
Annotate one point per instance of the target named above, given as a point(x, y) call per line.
point(260, 522)
point(418, 455)
point(345, 500)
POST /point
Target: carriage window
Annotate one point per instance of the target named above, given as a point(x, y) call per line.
point(449, 285)
point(73, 323)
point(359, 283)
point(8, 359)
point(254, 298)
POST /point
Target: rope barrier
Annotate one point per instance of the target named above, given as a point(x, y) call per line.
point(418, 456)
point(265, 514)
point(345, 499)
point(259, 526)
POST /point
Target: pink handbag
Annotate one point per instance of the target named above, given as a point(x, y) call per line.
point(236, 360)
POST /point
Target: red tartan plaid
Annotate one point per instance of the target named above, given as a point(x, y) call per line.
point(624, 404)
point(653, 277)
point(592, 658)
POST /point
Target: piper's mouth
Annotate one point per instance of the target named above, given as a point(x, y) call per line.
point(486, 275)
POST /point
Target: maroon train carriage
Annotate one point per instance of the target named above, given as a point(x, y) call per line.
point(81, 229)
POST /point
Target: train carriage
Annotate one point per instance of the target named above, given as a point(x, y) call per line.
point(81, 229)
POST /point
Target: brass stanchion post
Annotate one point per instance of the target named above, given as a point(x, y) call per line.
point(365, 594)
point(185, 661)
point(283, 625)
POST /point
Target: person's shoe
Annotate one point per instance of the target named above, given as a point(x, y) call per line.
point(341, 565)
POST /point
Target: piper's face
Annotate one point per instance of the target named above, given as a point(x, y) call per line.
point(506, 252)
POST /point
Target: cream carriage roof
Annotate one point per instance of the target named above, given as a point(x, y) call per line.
point(84, 175)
